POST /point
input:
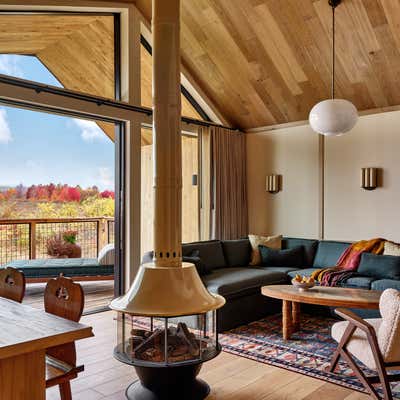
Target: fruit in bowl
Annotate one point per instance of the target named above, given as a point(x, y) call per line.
point(303, 282)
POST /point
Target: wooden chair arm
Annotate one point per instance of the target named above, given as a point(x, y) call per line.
point(355, 320)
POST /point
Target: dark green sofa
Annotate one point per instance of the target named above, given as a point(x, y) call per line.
point(228, 273)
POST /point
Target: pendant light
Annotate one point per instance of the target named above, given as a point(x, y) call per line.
point(333, 117)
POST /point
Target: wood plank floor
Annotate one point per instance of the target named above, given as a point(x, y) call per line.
point(231, 377)
point(98, 294)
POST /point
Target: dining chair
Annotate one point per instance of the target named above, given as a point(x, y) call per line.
point(64, 298)
point(374, 342)
point(12, 284)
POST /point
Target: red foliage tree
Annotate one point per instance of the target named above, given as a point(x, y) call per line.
point(107, 194)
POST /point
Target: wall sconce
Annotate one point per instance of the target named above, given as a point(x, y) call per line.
point(273, 183)
point(369, 178)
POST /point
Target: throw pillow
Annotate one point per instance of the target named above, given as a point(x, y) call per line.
point(106, 255)
point(274, 242)
point(379, 266)
point(293, 258)
point(391, 249)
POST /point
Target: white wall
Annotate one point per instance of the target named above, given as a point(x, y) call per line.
point(351, 213)
point(292, 153)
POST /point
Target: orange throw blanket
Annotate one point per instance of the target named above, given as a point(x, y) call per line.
point(348, 261)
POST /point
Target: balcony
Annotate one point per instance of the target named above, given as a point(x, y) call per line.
point(26, 239)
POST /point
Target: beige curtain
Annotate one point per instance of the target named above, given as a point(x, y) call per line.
point(228, 190)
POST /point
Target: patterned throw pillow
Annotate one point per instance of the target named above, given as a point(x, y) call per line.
point(391, 249)
point(106, 255)
point(273, 242)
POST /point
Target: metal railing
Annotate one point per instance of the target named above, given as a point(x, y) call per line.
point(23, 239)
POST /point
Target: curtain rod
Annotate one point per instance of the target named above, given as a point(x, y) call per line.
point(39, 88)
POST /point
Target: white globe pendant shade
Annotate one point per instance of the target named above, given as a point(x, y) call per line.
point(333, 117)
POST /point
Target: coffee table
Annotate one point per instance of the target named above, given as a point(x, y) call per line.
point(321, 295)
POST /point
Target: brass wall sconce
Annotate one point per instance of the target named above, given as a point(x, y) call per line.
point(273, 183)
point(369, 178)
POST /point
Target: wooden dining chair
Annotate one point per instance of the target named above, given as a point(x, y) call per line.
point(374, 342)
point(12, 284)
point(64, 298)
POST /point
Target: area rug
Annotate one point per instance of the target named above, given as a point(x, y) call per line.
point(308, 352)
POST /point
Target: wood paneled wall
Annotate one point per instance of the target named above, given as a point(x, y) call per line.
point(190, 193)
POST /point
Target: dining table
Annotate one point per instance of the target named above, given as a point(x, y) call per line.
point(25, 334)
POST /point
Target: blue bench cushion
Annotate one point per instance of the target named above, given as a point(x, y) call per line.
point(302, 272)
point(360, 282)
point(309, 245)
point(380, 266)
point(52, 267)
point(383, 284)
point(233, 281)
point(237, 252)
point(328, 253)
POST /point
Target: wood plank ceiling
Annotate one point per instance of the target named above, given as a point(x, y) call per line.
point(79, 51)
point(266, 62)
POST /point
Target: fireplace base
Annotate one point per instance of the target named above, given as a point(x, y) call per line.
point(167, 383)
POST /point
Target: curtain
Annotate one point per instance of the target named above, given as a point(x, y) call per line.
point(229, 218)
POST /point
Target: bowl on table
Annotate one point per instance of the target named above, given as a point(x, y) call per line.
point(304, 284)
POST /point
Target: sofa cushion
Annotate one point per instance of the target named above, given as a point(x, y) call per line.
point(234, 281)
point(237, 252)
point(383, 284)
point(310, 247)
point(379, 266)
point(328, 253)
point(302, 272)
point(282, 258)
point(360, 282)
point(285, 270)
point(210, 253)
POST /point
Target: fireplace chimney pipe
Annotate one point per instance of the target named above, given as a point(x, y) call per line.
point(167, 146)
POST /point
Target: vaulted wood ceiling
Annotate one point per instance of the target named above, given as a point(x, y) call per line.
point(78, 50)
point(265, 62)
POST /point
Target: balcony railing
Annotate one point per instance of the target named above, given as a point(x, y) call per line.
point(23, 239)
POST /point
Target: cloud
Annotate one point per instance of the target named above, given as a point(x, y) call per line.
point(5, 131)
point(90, 131)
point(106, 178)
point(9, 65)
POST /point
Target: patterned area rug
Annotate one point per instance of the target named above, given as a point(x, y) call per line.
point(308, 352)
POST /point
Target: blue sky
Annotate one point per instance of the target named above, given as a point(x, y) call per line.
point(42, 148)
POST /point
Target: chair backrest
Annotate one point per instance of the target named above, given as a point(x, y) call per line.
point(64, 298)
point(12, 284)
point(389, 330)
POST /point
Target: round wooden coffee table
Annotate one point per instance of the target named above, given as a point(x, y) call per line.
point(321, 295)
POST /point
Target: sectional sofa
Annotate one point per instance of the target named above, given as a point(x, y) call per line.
point(225, 270)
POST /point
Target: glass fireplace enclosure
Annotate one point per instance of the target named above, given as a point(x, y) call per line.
point(167, 341)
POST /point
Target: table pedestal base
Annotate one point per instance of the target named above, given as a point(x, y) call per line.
point(290, 318)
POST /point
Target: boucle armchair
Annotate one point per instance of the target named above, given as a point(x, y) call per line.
point(374, 342)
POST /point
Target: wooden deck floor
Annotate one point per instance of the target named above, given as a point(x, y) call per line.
point(98, 294)
point(231, 377)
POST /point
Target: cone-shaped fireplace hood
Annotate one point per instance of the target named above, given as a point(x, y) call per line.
point(167, 287)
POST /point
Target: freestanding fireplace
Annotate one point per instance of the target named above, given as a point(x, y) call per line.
point(168, 335)
point(167, 320)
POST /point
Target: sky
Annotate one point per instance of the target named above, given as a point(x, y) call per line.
point(40, 148)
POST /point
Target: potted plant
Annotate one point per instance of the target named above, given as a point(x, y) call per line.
point(63, 245)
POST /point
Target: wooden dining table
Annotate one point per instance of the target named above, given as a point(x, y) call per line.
point(25, 334)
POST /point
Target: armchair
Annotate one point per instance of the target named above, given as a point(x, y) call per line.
point(374, 342)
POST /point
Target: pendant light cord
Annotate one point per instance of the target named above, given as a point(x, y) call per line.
point(333, 52)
